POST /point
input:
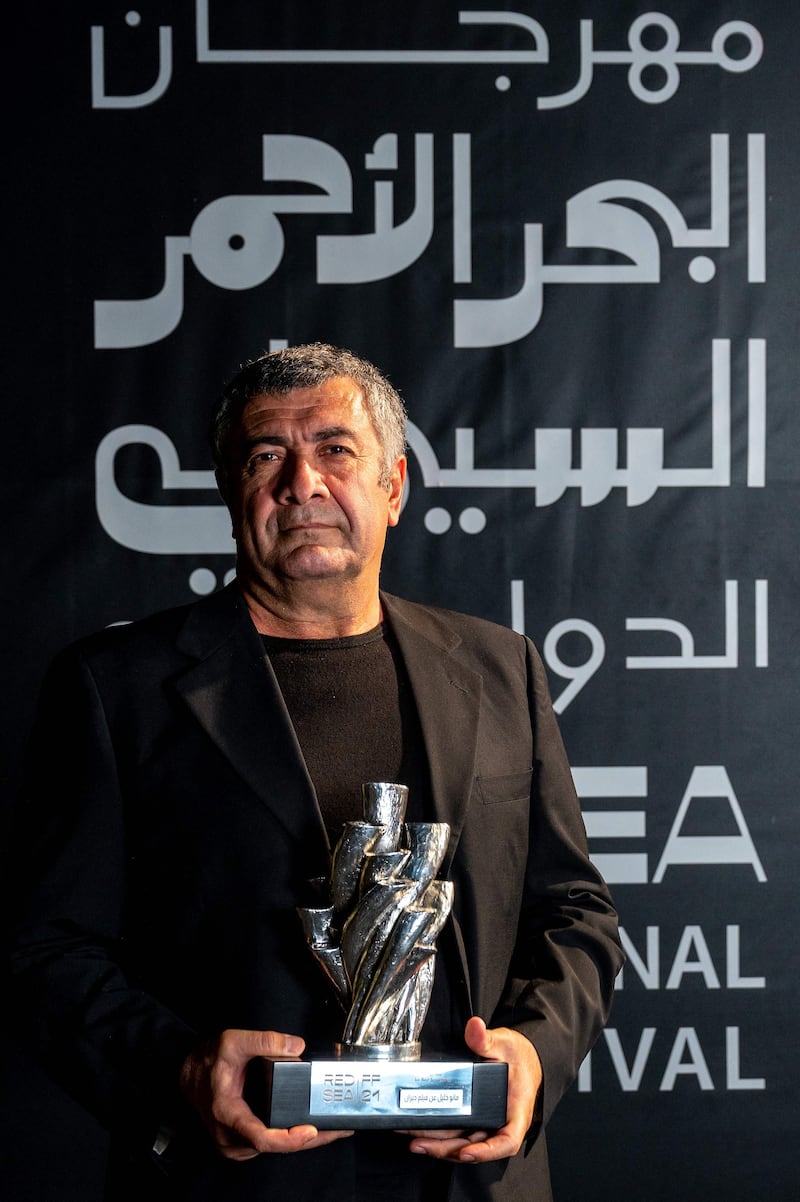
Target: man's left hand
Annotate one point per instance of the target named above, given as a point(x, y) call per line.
point(524, 1083)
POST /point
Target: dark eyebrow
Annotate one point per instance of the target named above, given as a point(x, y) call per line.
point(280, 440)
point(335, 432)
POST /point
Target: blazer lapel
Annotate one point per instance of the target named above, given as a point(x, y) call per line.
point(233, 694)
point(448, 697)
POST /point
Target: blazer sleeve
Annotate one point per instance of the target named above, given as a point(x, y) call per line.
point(110, 1044)
point(567, 951)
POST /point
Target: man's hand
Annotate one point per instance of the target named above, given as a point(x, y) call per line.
point(212, 1081)
point(524, 1083)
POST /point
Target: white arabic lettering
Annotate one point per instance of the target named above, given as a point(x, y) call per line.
point(667, 59)
point(596, 219)
point(599, 471)
point(580, 673)
point(192, 529)
point(205, 53)
point(157, 529)
point(102, 99)
point(237, 241)
point(390, 249)
point(686, 657)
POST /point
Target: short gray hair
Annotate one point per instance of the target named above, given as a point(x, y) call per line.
point(307, 366)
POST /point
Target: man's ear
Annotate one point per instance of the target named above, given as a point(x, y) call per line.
point(397, 482)
point(223, 487)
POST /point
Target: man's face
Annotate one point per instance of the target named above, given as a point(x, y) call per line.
point(304, 487)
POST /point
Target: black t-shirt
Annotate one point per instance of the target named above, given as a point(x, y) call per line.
point(352, 708)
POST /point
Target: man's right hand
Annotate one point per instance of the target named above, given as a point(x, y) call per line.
point(212, 1082)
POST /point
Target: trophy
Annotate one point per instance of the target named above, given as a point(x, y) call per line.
point(375, 941)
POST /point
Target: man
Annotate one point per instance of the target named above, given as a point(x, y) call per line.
point(189, 772)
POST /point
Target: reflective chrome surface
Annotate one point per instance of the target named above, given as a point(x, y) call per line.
point(376, 941)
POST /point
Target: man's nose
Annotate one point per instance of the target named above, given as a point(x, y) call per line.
point(300, 482)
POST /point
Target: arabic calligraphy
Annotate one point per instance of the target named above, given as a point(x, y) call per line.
point(360, 258)
point(237, 242)
point(686, 656)
point(667, 60)
point(190, 529)
point(599, 471)
point(598, 217)
point(157, 529)
point(578, 674)
point(101, 99)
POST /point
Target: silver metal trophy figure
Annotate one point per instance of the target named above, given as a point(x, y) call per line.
point(377, 938)
point(376, 942)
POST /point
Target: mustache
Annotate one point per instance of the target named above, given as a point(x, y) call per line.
point(305, 516)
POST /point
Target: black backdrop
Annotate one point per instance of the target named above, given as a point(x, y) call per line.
point(566, 231)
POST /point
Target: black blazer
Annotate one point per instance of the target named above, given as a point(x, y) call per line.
point(171, 827)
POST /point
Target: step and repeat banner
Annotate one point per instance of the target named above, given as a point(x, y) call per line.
point(566, 230)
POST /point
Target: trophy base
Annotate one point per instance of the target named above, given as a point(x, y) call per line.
point(357, 1093)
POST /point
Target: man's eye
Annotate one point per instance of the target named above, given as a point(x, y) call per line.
point(260, 458)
